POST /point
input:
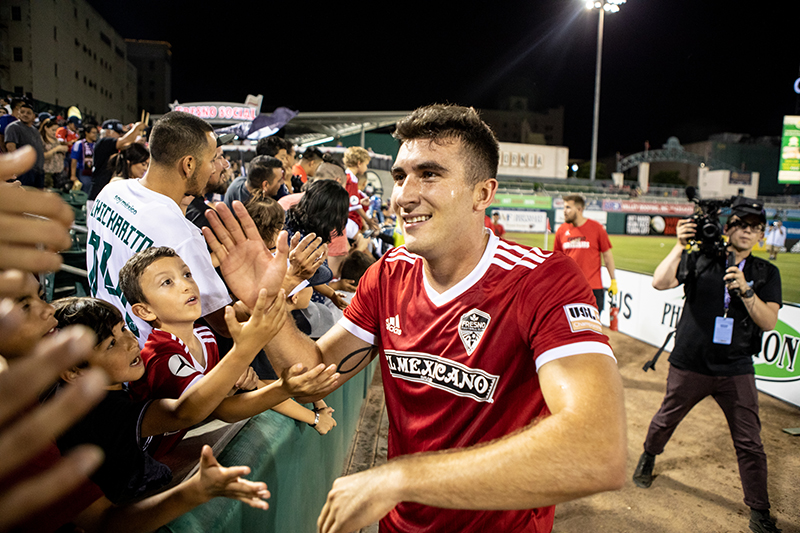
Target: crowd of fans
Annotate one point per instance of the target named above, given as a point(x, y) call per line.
point(75, 381)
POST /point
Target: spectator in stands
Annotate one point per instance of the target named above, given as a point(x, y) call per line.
point(129, 469)
point(310, 161)
point(82, 159)
point(5, 120)
point(23, 133)
point(585, 241)
point(130, 163)
point(277, 147)
point(113, 138)
point(196, 210)
point(68, 134)
point(357, 159)
point(322, 211)
point(54, 151)
point(159, 286)
point(26, 498)
point(263, 173)
point(182, 150)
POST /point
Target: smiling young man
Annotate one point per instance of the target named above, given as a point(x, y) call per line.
point(503, 395)
point(727, 308)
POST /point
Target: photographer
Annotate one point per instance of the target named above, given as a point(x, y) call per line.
point(726, 310)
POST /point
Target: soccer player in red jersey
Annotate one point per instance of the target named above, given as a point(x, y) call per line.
point(503, 394)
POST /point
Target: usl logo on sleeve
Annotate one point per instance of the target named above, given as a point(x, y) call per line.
point(471, 328)
point(583, 317)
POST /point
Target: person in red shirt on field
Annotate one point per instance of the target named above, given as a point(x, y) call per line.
point(497, 228)
point(585, 240)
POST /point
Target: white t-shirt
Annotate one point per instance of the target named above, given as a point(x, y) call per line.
point(127, 218)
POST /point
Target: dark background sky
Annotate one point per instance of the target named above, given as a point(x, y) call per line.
point(688, 68)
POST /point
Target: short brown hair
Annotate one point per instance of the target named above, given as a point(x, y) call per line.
point(442, 123)
point(131, 274)
point(97, 315)
point(267, 214)
point(576, 199)
point(176, 135)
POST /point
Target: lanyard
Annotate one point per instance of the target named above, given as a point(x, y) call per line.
point(727, 299)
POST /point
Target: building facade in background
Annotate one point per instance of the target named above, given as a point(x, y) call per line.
point(64, 53)
point(153, 62)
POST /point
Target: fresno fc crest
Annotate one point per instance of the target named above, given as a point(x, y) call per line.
point(471, 328)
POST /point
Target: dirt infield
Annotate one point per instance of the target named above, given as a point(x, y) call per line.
point(697, 484)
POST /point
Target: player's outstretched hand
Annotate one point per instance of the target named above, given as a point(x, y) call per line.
point(262, 325)
point(357, 501)
point(326, 421)
point(214, 481)
point(28, 242)
point(306, 255)
point(315, 383)
point(26, 431)
point(246, 263)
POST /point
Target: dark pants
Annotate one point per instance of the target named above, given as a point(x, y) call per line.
point(600, 298)
point(32, 178)
point(738, 398)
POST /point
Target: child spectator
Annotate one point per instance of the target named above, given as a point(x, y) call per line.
point(353, 268)
point(268, 216)
point(121, 424)
point(178, 355)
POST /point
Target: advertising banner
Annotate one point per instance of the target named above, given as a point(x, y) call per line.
point(650, 225)
point(649, 315)
point(526, 201)
point(653, 208)
point(789, 169)
point(523, 220)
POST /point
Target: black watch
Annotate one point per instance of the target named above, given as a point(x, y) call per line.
point(749, 293)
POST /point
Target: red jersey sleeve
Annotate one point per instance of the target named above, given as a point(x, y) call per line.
point(360, 317)
point(561, 319)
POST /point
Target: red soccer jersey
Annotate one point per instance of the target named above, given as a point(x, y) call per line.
point(584, 244)
point(170, 368)
point(355, 198)
point(460, 368)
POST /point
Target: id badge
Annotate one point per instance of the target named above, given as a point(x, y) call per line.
point(723, 330)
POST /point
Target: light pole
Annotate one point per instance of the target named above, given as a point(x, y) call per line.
point(611, 6)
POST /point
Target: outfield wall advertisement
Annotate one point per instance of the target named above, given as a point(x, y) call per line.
point(649, 315)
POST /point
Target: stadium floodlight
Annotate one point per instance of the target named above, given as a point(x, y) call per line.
point(603, 7)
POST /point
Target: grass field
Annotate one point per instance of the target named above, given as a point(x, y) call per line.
point(643, 254)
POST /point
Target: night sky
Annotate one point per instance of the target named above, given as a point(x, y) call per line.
point(688, 68)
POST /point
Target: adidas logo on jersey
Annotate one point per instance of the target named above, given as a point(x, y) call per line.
point(393, 325)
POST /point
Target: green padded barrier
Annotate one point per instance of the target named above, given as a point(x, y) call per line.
point(298, 465)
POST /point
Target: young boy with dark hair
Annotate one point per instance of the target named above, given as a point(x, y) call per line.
point(38, 318)
point(122, 424)
point(178, 355)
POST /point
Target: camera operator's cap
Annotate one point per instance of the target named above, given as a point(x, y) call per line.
point(742, 207)
point(113, 125)
point(225, 138)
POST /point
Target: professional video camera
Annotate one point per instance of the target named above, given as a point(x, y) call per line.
point(708, 236)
